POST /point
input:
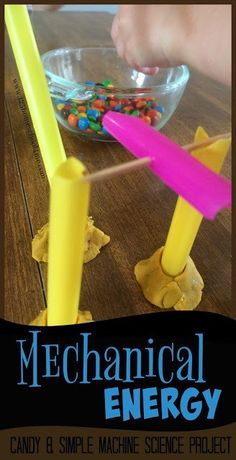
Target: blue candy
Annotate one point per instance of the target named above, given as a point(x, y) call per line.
point(83, 123)
point(90, 83)
point(93, 113)
point(118, 107)
point(102, 97)
point(105, 131)
point(160, 108)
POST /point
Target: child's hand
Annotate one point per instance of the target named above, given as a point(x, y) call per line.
point(148, 35)
point(167, 35)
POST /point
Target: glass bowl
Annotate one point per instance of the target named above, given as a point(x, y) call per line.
point(84, 83)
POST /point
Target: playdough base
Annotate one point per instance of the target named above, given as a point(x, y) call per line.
point(41, 319)
point(182, 292)
point(95, 240)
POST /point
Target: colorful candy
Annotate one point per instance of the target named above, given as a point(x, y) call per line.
point(83, 123)
point(72, 120)
point(86, 116)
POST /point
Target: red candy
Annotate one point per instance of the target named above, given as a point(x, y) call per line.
point(155, 121)
point(125, 101)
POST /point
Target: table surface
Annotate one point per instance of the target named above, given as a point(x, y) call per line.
point(135, 210)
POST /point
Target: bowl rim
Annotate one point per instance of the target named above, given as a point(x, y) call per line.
point(163, 88)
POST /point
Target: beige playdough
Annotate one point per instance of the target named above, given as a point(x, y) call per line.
point(95, 240)
point(182, 292)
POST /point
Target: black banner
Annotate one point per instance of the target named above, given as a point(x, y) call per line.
point(167, 371)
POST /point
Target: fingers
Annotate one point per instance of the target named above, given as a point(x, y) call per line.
point(143, 37)
point(149, 70)
point(128, 38)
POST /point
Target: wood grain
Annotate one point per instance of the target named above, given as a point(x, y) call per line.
point(135, 210)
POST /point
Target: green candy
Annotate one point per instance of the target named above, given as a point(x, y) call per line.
point(91, 118)
point(94, 126)
point(135, 113)
point(74, 111)
point(106, 83)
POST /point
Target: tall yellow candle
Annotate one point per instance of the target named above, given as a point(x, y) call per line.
point(69, 201)
point(186, 219)
point(35, 86)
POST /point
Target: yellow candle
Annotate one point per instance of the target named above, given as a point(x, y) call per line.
point(35, 86)
point(186, 219)
point(69, 201)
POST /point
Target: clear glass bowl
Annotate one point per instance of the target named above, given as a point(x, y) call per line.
point(86, 82)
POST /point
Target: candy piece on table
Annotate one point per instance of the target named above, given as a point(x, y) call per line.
point(95, 240)
point(205, 190)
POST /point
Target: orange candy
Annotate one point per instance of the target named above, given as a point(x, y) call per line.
point(81, 108)
point(112, 103)
point(151, 113)
point(140, 104)
point(99, 103)
point(72, 120)
point(147, 120)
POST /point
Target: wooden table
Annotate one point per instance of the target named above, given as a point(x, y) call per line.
point(135, 210)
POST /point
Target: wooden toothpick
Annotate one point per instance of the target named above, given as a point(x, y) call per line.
point(134, 165)
point(113, 171)
point(205, 143)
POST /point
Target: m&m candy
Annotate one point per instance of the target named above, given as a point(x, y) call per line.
point(86, 116)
